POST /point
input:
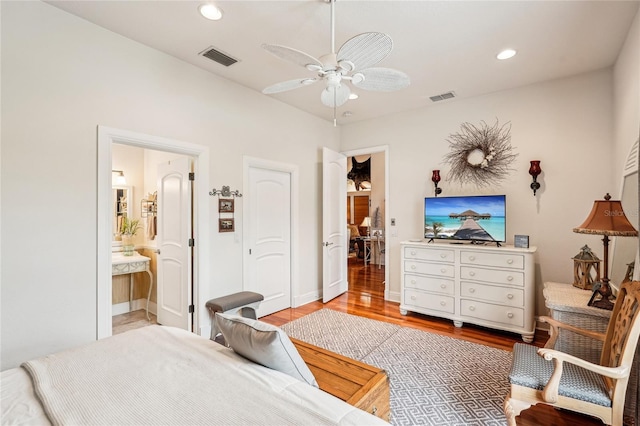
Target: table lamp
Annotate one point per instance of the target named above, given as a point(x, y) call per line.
point(367, 222)
point(606, 218)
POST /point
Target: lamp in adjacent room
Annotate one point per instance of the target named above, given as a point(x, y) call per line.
point(118, 178)
point(606, 218)
point(366, 222)
point(534, 171)
point(435, 178)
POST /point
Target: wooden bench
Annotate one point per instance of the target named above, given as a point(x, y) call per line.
point(359, 384)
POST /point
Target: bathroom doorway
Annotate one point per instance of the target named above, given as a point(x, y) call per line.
point(107, 139)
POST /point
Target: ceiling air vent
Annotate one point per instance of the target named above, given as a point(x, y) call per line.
point(217, 56)
point(442, 97)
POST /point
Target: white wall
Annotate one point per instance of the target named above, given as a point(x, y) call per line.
point(61, 78)
point(626, 106)
point(567, 124)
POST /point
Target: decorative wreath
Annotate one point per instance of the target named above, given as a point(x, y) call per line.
point(480, 155)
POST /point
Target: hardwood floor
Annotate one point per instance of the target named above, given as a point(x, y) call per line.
point(366, 298)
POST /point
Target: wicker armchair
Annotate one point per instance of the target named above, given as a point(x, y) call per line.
point(547, 376)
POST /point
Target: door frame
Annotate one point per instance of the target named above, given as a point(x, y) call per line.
point(387, 219)
point(108, 136)
point(292, 170)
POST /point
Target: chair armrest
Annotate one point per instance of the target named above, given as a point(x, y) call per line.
point(550, 391)
point(557, 325)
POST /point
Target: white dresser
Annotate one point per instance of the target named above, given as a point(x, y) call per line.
point(485, 285)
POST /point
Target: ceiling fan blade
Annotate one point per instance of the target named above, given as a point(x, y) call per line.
point(283, 86)
point(335, 96)
point(381, 79)
point(293, 55)
point(365, 50)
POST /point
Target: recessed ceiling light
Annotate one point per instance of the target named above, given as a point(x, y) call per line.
point(506, 54)
point(210, 11)
point(353, 96)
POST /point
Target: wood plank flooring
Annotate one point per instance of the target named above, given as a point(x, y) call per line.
point(366, 298)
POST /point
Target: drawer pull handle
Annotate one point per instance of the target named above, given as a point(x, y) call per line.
point(443, 286)
point(443, 303)
point(443, 270)
point(472, 308)
point(510, 261)
point(413, 281)
point(510, 315)
point(472, 274)
point(472, 258)
point(509, 296)
point(374, 410)
point(413, 252)
point(413, 266)
point(413, 298)
point(509, 278)
point(443, 255)
point(472, 290)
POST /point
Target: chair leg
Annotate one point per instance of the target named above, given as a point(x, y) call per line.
point(513, 408)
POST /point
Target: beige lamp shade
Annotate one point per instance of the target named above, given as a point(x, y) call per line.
point(366, 221)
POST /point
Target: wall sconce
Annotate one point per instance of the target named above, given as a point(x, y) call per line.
point(435, 178)
point(535, 170)
point(118, 179)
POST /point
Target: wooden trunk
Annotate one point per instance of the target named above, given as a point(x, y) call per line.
point(359, 384)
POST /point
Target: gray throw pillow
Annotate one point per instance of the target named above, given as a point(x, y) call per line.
point(264, 344)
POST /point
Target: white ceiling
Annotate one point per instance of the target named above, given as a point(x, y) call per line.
point(442, 45)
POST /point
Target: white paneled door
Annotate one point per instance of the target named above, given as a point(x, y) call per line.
point(269, 238)
point(174, 226)
point(334, 224)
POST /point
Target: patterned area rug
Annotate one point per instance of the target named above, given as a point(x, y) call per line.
point(434, 380)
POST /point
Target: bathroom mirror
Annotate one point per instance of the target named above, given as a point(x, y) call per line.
point(120, 205)
point(625, 249)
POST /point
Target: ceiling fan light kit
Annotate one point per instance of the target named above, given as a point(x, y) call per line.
point(352, 63)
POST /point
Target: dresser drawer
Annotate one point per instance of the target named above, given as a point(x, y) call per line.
point(432, 284)
point(501, 295)
point(490, 312)
point(430, 301)
point(506, 260)
point(497, 276)
point(437, 269)
point(438, 255)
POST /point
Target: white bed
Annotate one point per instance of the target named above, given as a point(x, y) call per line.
point(163, 375)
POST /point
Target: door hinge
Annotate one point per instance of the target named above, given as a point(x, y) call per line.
point(249, 251)
point(192, 309)
point(192, 176)
point(192, 242)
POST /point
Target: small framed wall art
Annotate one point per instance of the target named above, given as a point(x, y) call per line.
point(521, 241)
point(226, 225)
point(225, 205)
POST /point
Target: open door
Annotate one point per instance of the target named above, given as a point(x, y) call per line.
point(334, 224)
point(174, 232)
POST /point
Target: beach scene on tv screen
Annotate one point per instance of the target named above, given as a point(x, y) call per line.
point(479, 218)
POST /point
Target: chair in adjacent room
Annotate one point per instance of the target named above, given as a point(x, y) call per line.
point(547, 376)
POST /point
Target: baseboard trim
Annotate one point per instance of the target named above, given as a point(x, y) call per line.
point(123, 308)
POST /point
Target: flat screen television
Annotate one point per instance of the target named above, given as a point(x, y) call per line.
point(475, 218)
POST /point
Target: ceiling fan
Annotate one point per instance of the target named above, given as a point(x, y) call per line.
point(353, 62)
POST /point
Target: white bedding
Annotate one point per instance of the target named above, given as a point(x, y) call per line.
point(164, 375)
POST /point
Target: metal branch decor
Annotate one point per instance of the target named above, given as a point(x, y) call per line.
point(480, 155)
